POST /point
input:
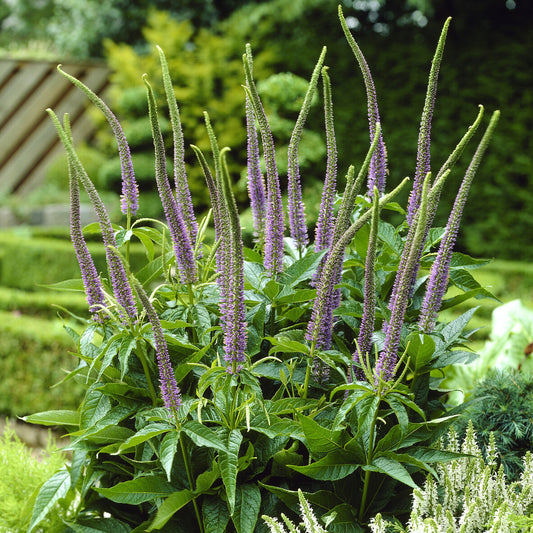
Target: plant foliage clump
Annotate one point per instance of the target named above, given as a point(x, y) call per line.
point(221, 378)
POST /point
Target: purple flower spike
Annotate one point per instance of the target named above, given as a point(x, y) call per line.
point(180, 237)
point(119, 278)
point(256, 183)
point(170, 391)
point(273, 250)
point(296, 206)
point(378, 165)
point(130, 192)
point(89, 274)
point(424, 135)
point(438, 278)
point(183, 194)
point(326, 217)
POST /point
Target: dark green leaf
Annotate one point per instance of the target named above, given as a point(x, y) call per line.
point(391, 468)
point(319, 439)
point(215, 514)
point(139, 490)
point(202, 435)
point(247, 505)
point(336, 465)
point(52, 490)
point(228, 461)
point(169, 507)
point(167, 451)
point(302, 269)
point(144, 434)
point(54, 418)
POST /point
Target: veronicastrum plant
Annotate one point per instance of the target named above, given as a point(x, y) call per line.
point(220, 378)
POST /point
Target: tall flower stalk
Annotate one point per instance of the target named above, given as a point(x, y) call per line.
point(170, 391)
point(183, 194)
point(256, 182)
point(273, 250)
point(297, 224)
point(378, 166)
point(183, 249)
point(89, 274)
point(423, 158)
point(119, 279)
point(326, 217)
point(438, 278)
point(130, 192)
point(230, 256)
point(364, 340)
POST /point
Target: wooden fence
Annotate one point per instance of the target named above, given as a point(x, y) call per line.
point(28, 140)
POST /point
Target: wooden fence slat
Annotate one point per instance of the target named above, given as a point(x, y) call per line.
point(16, 90)
point(44, 136)
point(28, 140)
point(6, 69)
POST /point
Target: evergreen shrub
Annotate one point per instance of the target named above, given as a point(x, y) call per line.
point(34, 356)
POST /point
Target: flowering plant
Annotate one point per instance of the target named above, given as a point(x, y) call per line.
point(281, 365)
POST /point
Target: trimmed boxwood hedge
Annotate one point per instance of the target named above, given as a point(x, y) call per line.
point(27, 262)
point(34, 353)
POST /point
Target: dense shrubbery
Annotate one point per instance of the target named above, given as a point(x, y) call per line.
point(34, 356)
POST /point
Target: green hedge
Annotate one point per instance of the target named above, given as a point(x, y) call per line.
point(33, 355)
point(42, 303)
point(26, 262)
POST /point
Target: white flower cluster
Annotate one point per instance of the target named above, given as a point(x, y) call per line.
point(470, 496)
point(310, 523)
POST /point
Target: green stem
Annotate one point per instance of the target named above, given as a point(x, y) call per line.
point(144, 362)
point(310, 361)
point(189, 477)
point(371, 437)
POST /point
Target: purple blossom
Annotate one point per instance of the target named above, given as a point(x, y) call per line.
point(364, 341)
point(424, 136)
point(326, 217)
point(89, 274)
point(256, 183)
point(401, 293)
point(296, 206)
point(119, 278)
point(180, 237)
point(183, 194)
point(170, 391)
point(130, 192)
point(438, 278)
point(378, 166)
point(273, 250)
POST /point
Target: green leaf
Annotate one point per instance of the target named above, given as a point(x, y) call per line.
point(169, 507)
point(107, 435)
point(95, 406)
point(420, 348)
point(322, 499)
point(52, 490)
point(206, 479)
point(146, 433)
point(319, 439)
point(75, 285)
point(409, 459)
point(286, 345)
point(54, 418)
point(154, 268)
point(202, 435)
point(228, 461)
point(391, 468)
point(215, 514)
point(247, 505)
point(301, 295)
point(334, 466)
point(99, 525)
point(139, 490)
point(452, 331)
point(167, 451)
point(302, 269)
